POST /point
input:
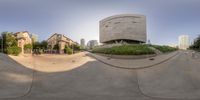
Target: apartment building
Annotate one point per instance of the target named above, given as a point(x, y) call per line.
point(60, 40)
point(23, 38)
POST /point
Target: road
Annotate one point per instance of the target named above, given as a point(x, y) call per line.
point(80, 77)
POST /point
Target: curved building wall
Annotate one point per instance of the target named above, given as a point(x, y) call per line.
point(129, 27)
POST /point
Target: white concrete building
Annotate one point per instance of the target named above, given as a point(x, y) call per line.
point(82, 42)
point(130, 28)
point(91, 44)
point(183, 42)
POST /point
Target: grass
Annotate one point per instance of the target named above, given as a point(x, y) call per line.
point(164, 49)
point(126, 49)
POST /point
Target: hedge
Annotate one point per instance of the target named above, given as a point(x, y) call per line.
point(126, 49)
point(14, 50)
point(164, 49)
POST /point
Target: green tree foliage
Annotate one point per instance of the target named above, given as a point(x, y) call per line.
point(68, 50)
point(77, 48)
point(196, 44)
point(40, 45)
point(9, 39)
point(14, 50)
point(43, 45)
point(56, 47)
point(9, 42)
point(36, 45)
point(28, 47)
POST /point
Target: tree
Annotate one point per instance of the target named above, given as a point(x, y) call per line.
point(56, 47)
point(196, 44)
point(77, 48)
point(44, 45)
point(9, 40)
point(28, 48)
point(36, 45)
point(14, 50)
point(68, 50)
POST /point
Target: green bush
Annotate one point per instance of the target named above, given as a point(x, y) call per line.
point(14, 50)
point(56, 47)
point(77, 48)
point(68, 50)
point(28, 46)
point(126, 49)
point(164, 49)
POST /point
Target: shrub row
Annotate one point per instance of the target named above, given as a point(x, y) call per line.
point(126, 49)
point(164, 49)
point(14, 50)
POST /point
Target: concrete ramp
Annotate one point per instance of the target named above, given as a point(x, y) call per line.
point(15, 79)
point(177, 78)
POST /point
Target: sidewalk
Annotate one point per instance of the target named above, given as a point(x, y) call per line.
point(134, 63)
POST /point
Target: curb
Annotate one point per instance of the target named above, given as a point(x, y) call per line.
point(140, 67)
point(127, 56)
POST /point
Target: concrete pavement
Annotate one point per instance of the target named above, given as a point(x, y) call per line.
point(178, 78)
point(134, 63)
point(80, 77)
point(15, 79)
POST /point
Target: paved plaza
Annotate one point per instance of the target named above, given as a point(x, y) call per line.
point(85, 77)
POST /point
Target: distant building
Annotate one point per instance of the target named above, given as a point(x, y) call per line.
point(183, 42)
point(173, 45)
point(149, 42)
point(91, 44)
point(60, 40)
point(128, 28)
point(82, 43)
point(23, 38)
point(34, 38)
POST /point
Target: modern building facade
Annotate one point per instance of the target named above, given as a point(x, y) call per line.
point(60, 40)
point(82, 42)
point(91, 44)
point(23, 38)
point(129, 28)
point(183, 42)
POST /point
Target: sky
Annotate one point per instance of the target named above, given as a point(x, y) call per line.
point(166, 19)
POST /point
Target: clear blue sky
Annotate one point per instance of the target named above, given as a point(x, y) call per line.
point(166, 19)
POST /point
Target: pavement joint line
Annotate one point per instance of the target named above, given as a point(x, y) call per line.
point(30, 87)
point(148, 66)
